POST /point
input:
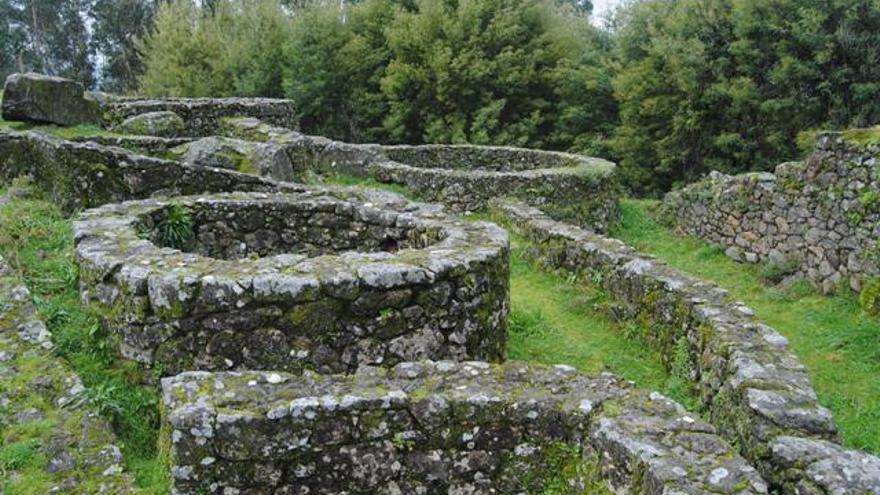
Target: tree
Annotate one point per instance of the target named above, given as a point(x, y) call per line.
point(728, 85)
point(234, 48)
point(47, 36)
point(523, 72)
point(117, 27)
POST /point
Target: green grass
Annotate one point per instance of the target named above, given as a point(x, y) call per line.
point(562, 320)
point(837, 341)
point(351, 181)
point(37, 242)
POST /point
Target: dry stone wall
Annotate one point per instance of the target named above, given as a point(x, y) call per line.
point(819, 218)
point(465, 178)
point(754, 389)
point(439, 428)
point(84, 175)
point(40, 390)
point(201, 116)
point(322, 279)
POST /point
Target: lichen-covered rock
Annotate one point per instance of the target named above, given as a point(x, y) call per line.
point(753, 388)
point(816, 467)
point(39, 390)
point(266, 159)
point(439, 428)
point(161, 124)
point(39, 98)
point(324, 279)
point(463, 177)
point(817, 219)
point(202, 116)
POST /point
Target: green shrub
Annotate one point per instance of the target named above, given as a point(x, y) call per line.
point(176, 229)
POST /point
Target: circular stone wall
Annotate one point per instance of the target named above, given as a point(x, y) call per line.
point(326, 279)
point(465, 177)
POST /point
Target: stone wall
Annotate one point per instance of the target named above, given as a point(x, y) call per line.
point(439, 428)
point(84, 175)
point(325, 279)
point(753, 388)
point(819, 218)
point(465, 178)
point(40, 390)
point(201, 116)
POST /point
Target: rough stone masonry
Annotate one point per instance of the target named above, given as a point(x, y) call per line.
point(324, 279)
point(819, 218)
point(752, 387)
point(439, 428)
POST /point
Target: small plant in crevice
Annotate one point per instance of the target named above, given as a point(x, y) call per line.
point(869, 298)
point(176, 229)
point(680, 383)
point(775, 272)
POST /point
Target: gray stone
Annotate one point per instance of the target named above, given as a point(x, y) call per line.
point(324, 279)
point(265, 159)
point(161, 124)
point(751, 386)
point(54, 100)
point(439, 427)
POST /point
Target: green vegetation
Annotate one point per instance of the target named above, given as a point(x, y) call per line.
point(176, 229)
point(518, 72)
point(37, 242)
point(833, 337)
point(349, 180)
point(558, 320)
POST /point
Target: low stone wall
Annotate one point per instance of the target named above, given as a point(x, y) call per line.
point(40, 390)
point(201, 116)
point(753, 388)
point(324, 279)
point(819, 218)
point(145, 145)
point(85, 175)
point(463, 177)
point(439, 427)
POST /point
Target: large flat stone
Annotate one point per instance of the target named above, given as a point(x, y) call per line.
point(54, 100)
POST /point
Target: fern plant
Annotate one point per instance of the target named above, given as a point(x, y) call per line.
point(176, 230)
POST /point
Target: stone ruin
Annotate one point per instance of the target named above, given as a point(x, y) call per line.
point(819, 218)
point(462, 177)
point(440, 427)
point(361, 314)
point(321, 279)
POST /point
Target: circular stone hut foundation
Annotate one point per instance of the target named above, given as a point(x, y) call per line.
point(467, 177)
point(324, 279)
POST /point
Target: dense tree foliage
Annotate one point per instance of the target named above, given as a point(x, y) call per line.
point(524, 72)
point(669, 88)
point(232, 48)
point(48, 36)
point(117, 27)
point(728, 85)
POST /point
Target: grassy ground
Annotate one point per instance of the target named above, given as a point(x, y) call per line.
point(837, 341)
point(559, 320)
point(37, 241)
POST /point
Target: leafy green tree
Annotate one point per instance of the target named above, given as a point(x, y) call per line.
point(233, 48)
point(117, 27)
point(728, 85)
point(48, 36)
point(335, 61)
point(522, 72)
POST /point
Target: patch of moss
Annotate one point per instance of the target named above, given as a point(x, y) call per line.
point(862, 137)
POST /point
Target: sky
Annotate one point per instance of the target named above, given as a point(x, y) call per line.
point(600, 7)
